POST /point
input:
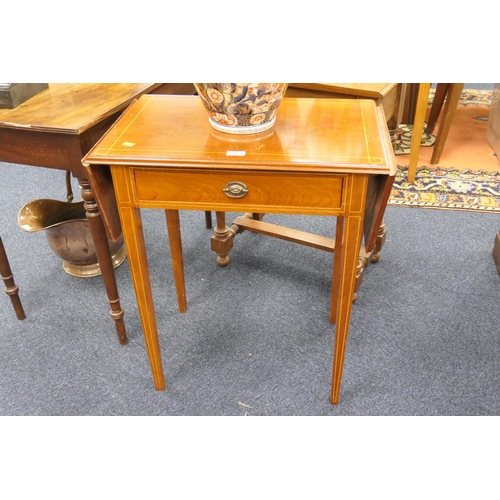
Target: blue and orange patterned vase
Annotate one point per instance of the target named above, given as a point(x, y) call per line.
point(241, 108)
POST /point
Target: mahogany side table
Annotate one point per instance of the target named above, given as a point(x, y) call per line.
point(322, 157)
point(55, 129)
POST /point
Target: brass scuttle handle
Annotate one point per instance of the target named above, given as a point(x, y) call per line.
point(235, 189)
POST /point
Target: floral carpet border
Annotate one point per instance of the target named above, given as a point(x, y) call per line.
point(447, 189)
point(469, 97)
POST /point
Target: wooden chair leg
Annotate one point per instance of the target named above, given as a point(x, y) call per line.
point(11, 289)
point(418, 128)
point(410, 103)
point(439, 97)
point(452, 99)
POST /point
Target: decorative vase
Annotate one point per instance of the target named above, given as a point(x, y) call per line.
point(241, 108)
point(68, 235)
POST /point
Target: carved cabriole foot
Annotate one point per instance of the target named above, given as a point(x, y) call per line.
point(103, 253)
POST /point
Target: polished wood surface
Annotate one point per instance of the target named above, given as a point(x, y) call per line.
point(387, 95)
point(361, 90)
point(11, 289)
point(318, 159)
point(58, 126)
point(332, 143)
point(73, 108)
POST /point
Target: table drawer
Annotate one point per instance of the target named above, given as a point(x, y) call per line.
point(236, 190)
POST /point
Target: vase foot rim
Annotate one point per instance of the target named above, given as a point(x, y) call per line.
point(242, 130)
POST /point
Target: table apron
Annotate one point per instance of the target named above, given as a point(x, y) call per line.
point(60, 150)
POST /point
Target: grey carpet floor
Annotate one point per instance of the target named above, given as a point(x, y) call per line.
point(256, 340)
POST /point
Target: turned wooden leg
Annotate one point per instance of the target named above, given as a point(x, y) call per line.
point(103, 253)
point(366, 257)
point(222, 239)
point(69, 189)
point(11, 289)
point(379, 242)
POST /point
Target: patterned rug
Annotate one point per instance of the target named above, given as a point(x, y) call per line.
point(447, 188)
point(467, 98)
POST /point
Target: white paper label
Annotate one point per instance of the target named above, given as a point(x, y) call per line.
point(236, 153)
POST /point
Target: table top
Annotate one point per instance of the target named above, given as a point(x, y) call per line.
point(72, 108)
point(368, 90)
point(310, 135)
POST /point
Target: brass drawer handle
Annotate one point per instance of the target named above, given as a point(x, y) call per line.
point(235, 189)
